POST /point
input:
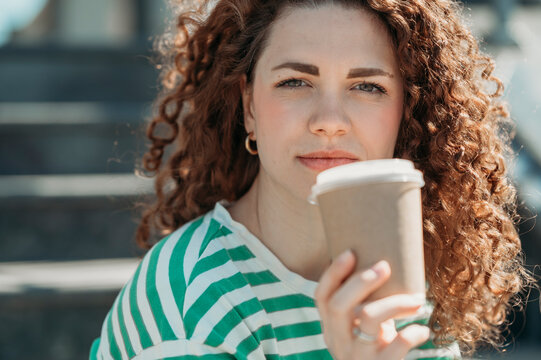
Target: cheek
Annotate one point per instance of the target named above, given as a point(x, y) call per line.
point(379, 129)
point(391, 118)
point(276, 119)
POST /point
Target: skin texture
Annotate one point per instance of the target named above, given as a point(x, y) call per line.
point(292, 112)
point(326, 111)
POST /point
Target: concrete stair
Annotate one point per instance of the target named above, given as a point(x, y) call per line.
point(71, 132)
point(53, 73)
point(53, 310)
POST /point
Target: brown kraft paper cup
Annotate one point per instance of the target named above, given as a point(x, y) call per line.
point(378, 221)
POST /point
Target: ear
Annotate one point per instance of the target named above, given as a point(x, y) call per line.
point(247, 105)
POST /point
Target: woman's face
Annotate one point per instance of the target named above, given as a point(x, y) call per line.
point(327, 91)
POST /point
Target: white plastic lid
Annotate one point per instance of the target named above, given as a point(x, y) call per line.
point(366, 172)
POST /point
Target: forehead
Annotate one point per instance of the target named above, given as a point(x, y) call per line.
point(329, 33)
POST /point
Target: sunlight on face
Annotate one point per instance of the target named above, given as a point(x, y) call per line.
point(328, 80)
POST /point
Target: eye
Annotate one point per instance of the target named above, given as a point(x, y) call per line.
point(291, 83)
point(371, 88)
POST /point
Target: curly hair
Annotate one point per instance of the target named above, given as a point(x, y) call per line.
point(454, 129)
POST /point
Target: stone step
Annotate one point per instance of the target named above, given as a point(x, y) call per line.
point(49, 73)
point(42, 283)
point(46, 115)
point(70, 217)
point(65, 137)
point(66, 300)
point(14, 189)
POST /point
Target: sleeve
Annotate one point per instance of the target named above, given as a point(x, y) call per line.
point(94, 350)
point(147, 320)
point(173, 349)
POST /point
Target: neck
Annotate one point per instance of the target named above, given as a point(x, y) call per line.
point(290, 227)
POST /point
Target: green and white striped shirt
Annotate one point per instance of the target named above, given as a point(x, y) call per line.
point(212, 290)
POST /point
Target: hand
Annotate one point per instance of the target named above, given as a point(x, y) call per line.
point(341, 300)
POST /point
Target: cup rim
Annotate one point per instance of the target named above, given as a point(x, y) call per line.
point(382, 171)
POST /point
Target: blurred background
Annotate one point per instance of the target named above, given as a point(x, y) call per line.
point(77, 82)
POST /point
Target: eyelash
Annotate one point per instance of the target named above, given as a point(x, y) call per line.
point(378, 87)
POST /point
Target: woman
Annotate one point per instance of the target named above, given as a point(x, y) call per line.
point(260, 98)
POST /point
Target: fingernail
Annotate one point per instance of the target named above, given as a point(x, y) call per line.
point(381, 268)
point(343, 257)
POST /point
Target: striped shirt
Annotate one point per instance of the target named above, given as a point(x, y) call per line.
point(211, 289)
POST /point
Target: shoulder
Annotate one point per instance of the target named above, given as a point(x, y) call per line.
point(182, 249)
point(152, 308)
point(173, 259)
point(170, 267)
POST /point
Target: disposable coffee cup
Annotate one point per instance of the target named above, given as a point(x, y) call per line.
point(374, 208)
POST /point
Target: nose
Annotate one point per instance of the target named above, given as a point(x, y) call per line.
point(329, 119)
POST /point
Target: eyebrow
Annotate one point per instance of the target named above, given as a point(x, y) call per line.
point(313, 70)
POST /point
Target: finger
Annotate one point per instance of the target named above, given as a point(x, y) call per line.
point(405, 340)
point(333, 277)
point(358, 287)
point(372, 314)
point(387, 332)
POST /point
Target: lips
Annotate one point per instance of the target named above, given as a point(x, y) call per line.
point(323, 160)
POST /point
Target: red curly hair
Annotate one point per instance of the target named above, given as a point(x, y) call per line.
point(453, 129)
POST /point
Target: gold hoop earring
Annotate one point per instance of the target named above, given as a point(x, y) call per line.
point(247, 145)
